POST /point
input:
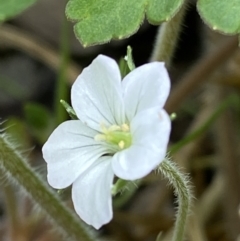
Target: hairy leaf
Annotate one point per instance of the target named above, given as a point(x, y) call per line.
point(10, 8)
point(103, 20)
point(221, 15)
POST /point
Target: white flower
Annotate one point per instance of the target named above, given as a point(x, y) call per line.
point(122, 130)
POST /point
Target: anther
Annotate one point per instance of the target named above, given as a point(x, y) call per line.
point(125, 127)
point(121, 144)
point(100, 137)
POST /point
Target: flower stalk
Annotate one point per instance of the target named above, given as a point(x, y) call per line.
point(183, 191)
point(61, 87)
point(167, 38)
point(119, 186)
point(17, 170)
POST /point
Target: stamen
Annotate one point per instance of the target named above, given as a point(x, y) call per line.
point(125, 127)
point(116, 135)
point(100, 137)
point(114, 128)
point(121, 144)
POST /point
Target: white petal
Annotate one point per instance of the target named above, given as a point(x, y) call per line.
point(150, 132)
point(97, 94)
point(69, 151)
point(145, 87)
point(91, 193)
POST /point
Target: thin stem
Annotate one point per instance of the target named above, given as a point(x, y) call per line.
point(182, 190)
point(204, 127)
point(130, 187)
point(200, 73)
point(18, 171)
point(167, 38)
point(61, 88)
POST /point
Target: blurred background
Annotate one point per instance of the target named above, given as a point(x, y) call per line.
point(205, 75)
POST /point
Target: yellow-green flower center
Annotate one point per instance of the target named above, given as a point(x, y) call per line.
point(116, 135)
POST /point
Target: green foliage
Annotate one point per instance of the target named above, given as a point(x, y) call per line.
point(221, 15)
point(69, 110)
point(100, 21)
point(158, 11)
point(10, 8)
point(39, 121)
point(126, 64)
point(129, 59)
point(36, 115)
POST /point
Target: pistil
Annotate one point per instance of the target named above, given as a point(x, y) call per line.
point(116, 135)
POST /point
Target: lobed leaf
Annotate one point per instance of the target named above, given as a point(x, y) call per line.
point(100, 21)
point(221, 15)
point(10, 8)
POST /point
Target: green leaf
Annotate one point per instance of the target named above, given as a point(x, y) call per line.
point(36, 115)
point(39, 121)
point(129, 59)
point(69, 110)
point(100, 21)
point(221, 15)
point(159, 11)
point(126, 64)
point(10, 8)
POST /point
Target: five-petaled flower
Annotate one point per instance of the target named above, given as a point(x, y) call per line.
point(122, 130)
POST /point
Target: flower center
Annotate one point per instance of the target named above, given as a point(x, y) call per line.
point(116, 135)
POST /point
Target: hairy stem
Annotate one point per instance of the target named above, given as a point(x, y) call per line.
point(18, 171)
point(167, 38)
point(182, 190)
point(11, 209)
